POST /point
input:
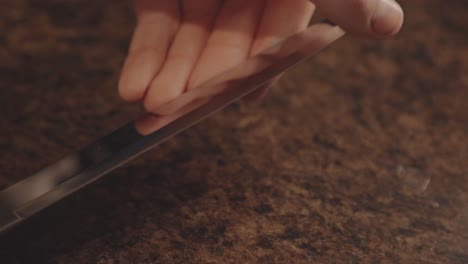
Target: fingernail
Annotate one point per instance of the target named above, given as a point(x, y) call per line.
point(328, 21)
point(388, 18)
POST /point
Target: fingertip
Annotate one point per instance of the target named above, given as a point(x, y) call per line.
point(126, 91)
point(151, 103)
point(148, 124)
point(138, 72)
point(155, 98)
point(388, 18)
point(151, 123)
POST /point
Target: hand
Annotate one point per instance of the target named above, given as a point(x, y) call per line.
point(239, 79)
point(177, 45)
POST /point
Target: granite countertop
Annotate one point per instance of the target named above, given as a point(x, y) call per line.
point(357, 156)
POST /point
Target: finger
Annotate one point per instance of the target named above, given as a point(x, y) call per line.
point(157, 21)
point(272, 29)
point(198, 17)
point(372, 18)
point(256, 70)
point(230, 41)
point(152, 122)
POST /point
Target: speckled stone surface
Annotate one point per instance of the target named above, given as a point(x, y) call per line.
point(359, 155)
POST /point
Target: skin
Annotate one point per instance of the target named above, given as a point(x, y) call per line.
point(309, 42)
point(178, 45)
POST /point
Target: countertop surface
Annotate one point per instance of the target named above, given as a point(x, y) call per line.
point(359, 155)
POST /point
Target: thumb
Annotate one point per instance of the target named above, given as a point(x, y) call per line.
point(369, 18)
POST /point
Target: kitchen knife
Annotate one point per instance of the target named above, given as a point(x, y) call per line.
point(73, 172)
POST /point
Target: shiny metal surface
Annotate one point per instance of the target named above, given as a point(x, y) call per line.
point(75, 171)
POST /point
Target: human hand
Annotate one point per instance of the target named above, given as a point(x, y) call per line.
point(242, 80)
point(178, 45)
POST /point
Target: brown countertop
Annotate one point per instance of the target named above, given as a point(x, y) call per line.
point(358, 156)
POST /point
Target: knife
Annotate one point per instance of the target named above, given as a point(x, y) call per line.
point(28, 197)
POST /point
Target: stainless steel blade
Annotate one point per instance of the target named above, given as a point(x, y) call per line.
point(53, 183)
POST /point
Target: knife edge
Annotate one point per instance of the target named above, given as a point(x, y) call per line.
point(77, 170)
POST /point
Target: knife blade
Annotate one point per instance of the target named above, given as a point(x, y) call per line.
point(73, 172)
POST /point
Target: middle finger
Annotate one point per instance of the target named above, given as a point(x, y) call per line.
point(198, 17)
point(230, 41)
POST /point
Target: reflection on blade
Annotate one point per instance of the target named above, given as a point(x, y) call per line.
point(77, 170)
